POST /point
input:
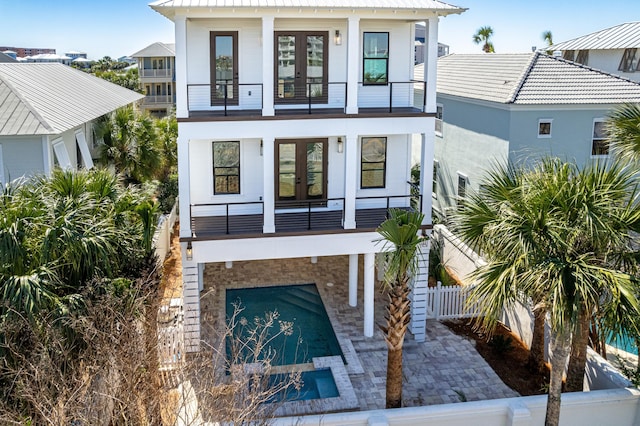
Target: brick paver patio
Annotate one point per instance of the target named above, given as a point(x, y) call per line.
point(446, 368)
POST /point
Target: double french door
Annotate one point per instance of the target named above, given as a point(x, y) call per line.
point(301, 66)
point(301, 170)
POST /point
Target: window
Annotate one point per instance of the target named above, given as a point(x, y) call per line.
point(599, 142)
point(61, 155)
point(630, 61)
point(84, 157)
point(373, 162)
point(544, 128)
point(582, 57)
point(462, 189)
point(569, 55)
point(226, 167)
point(439, 120)
point(224, 67)
point(434, 185)
point(375, 62)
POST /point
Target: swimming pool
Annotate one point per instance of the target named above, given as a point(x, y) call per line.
point(625, 344)
point(315, 384)
point(312, 336)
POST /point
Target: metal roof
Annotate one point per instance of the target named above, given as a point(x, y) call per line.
point(623, 36)
point(50, 98)
point(6, 58)
point(325, 4)
point(531, 79)
point(155, 50)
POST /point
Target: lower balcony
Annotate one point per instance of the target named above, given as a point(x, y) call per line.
point(245, 220)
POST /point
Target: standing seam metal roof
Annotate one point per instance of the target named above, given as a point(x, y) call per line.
point(531, 79)
point(50, 98)
point(623, 36)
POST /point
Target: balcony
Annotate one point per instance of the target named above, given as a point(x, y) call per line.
point(231, 100)
point(156, 73)
point(245, 220)
point(158, 99)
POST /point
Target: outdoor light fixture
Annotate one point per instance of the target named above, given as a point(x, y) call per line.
point(261, 148)
point(189, 251)
point(337, 38)
point(340, 145)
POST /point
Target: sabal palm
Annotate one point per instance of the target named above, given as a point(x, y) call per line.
point(623, 129)
point(561, 240)
point(482, 36)
point(547, 36)
point(401, 238)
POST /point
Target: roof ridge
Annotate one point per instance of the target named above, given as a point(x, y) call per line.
point(514, 94)
point(587, 67)
point(30, 107)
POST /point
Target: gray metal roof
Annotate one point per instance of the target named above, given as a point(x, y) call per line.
point(6, 58)
point(50, 98)
point(623, 36)
point(531, 79)
point(155, 50)
point(326, 4)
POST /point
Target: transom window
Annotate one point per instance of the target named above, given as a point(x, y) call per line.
point(375, 62)
point(630, 61)
point(373, 162)
point(599, 140)
point(544, 128)
point(226, 167)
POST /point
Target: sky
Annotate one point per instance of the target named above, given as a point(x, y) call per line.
point(121, 27)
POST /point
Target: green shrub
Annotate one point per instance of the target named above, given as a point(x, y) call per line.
point(168, 192)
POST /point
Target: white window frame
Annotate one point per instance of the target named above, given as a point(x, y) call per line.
point(464, 178)
point(87, 161)
point(439, 120)
point(548, 121)
point(434, 183)
point(593, 138)
point(2, 182)
point(61, 153)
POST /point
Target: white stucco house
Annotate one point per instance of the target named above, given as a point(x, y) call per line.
point(47, 111)
point(295, 125)
point(615, 50)
point(517, 107)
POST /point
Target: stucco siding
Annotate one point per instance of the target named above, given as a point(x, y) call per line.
point(21, 156)
point(571, 134)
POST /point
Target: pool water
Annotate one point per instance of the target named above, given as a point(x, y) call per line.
point(315, 384)
point(312, 336)
point(624, 343)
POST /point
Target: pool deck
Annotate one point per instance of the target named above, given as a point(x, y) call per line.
point(444, 369)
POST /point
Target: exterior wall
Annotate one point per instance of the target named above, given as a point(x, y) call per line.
point(474, 136)
point(609, 60)
point(571, 133)
point(21, 156)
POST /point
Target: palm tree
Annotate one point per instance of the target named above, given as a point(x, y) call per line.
point(482, 36)
point(623, 130)
point(400, 234)
point(548, 38)
point(560, 241)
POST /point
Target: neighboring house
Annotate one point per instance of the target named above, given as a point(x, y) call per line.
point(47, 113)
point(156, 68)
point(615, 50)
point(517, 107)
point(295, 122)
point(4, 58)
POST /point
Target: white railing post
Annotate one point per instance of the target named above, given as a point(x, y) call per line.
point(436, 301)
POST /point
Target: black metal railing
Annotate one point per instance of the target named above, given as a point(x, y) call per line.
point(310, 215)
point(224, 93)
point(410, 94)
point(331, 94)
point(222, 222)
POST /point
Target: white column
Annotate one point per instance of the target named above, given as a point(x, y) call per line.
point(182, 102)
point(426, 171)
point(267, 66)
point(268, 198)
point(353, 63)
point(184, 179)
point(350, 180)
point(418, 295)
point(369, 288)
point(431, 63)
point(353, 280)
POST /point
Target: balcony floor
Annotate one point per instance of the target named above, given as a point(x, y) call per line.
point(250, 226)
point(302, 113)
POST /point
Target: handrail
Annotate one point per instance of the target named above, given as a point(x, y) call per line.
point(191, 206)
point(390, 84)
point(224, 100)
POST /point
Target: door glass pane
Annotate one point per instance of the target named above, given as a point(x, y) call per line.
point(315, 172)
point(287, 170)
point(315, 65)
point(286, 66)
point(224, 65)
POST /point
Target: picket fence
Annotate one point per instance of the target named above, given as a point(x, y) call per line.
point(448, 302)
point(171, 335)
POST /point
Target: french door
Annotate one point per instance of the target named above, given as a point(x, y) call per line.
point(301, 66)
point(301, 170)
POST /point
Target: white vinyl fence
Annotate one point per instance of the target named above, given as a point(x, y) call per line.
point(447, 302)
point(171, 335)
point(162, 236)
